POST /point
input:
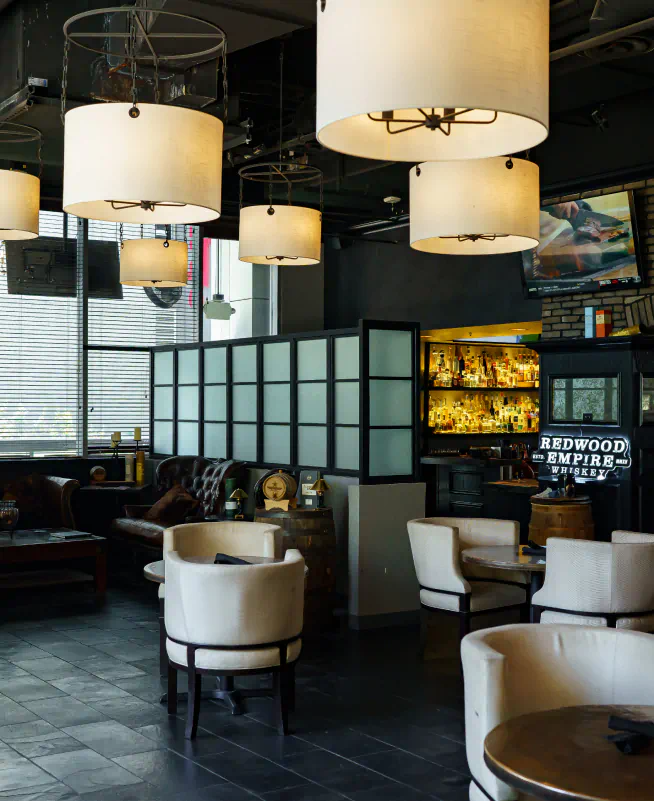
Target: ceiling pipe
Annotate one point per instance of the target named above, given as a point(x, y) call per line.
point(602, 39)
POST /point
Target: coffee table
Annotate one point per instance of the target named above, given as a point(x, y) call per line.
point(563, 755)
point(29, 546)
point(509, 557)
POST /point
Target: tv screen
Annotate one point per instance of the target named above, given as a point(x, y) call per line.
point(585, 246)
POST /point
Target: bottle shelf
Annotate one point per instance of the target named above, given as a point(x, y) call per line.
point(496, 434)
point(484, 389)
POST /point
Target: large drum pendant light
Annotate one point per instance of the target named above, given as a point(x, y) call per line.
point(477, 207)
point(290, 235)
point(153, 262)
point(143, 162)
point(20, 192)
point(427, 80)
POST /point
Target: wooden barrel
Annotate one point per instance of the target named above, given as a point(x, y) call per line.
point(561, 517)
point(312, 532)
point(279, 486)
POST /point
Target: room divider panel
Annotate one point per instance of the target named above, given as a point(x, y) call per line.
point(344, 402)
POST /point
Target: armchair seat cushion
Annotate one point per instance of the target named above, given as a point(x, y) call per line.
point(208, 659)
point(485, 595)
point(642, 623)
point(146, 531)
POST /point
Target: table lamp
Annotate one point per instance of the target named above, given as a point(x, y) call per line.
point(239, 496)
point(321, 487)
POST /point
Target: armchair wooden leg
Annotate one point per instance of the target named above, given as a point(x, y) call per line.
point(194, 697)
point(172, 690)
point(464, 626)
point(280, 685)
point(424, 631)
point(163, 655)
point(291, 688)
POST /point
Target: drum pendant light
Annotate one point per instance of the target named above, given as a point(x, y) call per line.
point(477, 207)
point(20, 192)
point(428, 80)
point(153, 262)
point(143, 162)
point(276, 233)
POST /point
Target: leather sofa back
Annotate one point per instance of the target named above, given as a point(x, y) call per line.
point(203, 478)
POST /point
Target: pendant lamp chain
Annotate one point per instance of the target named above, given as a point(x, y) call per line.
point(133, 112)
point(64, 81)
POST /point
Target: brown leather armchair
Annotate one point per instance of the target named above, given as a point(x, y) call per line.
point(203, 478)
point(43, 501)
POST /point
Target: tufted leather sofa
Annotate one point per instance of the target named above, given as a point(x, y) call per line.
point(203, 478)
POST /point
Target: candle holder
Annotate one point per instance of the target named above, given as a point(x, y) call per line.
point(9, 515)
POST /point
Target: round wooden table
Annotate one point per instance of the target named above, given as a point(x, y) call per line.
point(509, 557)
point(156, 571)
point(563, 755)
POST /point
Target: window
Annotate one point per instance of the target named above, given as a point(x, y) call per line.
point(592, 400)
point(42, 337)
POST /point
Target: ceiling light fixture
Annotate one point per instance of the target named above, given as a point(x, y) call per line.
point(20, 192)
point(143, 162)
point(277, 233)
point(422, 80)
point(477, 207)
point(153, 262)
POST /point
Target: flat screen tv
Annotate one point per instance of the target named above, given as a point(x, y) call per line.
point(586, 245)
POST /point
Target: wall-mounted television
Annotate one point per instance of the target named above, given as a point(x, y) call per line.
point(587, 245)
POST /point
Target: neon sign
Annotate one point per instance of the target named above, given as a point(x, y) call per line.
point(583, 457)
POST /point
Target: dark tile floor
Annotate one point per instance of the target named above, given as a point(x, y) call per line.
point(80, 718)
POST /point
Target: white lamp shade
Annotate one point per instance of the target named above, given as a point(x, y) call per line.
point(20, 195)
point(452, 199)
point(167, 155)
point(289, 236)
point(403, 55)
point(146, 262)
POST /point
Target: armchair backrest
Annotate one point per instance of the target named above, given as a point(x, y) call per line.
point(632, 536)
point(234, 605)
point(435, 550)
point(477, 532)
point(513, 670)
point(235, 538)
point(608, 577)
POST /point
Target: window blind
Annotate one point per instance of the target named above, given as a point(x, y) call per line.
point(39, 344)
point(122, 329)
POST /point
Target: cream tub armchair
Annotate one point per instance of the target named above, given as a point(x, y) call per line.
point(513, 670)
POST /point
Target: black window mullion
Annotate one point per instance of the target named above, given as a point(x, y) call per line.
point(229, 436)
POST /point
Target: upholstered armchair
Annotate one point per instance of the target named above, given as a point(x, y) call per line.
point(449, 587)
point(258, 628)
point(234, 538)
point(599, 583)
point(514, 670)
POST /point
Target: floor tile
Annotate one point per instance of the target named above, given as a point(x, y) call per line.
point(22, 651)
point(65, 711)
point(170, 734)
point(43, 637)
point(419, 773)
point(345, 742)
point(28, 688)
point(50, 668)
point(168, 770)
point(127, 651)
point(91, 636)
point(9, 758)
point(111, 739)
point(143, 791)
point(223, 792)
point(71, 651)
point(24, 775)
point(252, 772)
point(86, 771)
point(334, 772)
point(147, 687)
point(11, 712)
point(53, 791)
point(104, 667)
point(37, 738)
point(304, 792)
point(131, 711)
point(89, 688)
point(10, 671)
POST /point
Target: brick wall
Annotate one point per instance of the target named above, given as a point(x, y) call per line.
point(563, 315)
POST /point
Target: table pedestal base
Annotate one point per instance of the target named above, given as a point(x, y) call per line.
point(225, 692)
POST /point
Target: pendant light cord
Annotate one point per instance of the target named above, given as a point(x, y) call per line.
point(281, 98)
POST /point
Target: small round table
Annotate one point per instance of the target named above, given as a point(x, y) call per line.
point(156, 571)
point(509, 557)
point(563, 755)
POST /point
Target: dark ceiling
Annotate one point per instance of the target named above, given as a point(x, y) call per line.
point(600, 96)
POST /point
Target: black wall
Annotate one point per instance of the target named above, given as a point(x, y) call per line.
point(382, 281)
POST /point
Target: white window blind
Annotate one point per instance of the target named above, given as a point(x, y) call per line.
point(119, 373)
point(41, 305)
point(39, 344)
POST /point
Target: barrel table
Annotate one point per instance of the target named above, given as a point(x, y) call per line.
point(312, 532)
point(561, 517)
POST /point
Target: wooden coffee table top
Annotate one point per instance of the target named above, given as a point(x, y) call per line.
point(43, 536)
point(563, 755)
